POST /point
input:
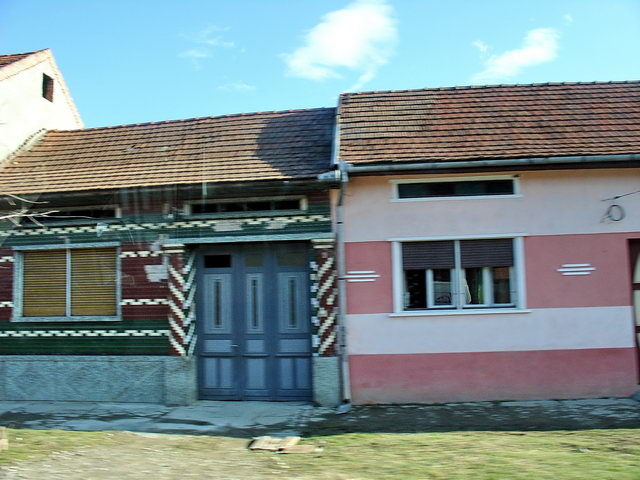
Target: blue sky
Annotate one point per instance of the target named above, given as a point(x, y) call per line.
point(142, 60)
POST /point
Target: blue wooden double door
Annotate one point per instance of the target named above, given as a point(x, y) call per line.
point(254, 335)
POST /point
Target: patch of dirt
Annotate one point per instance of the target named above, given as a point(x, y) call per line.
point(157, 457)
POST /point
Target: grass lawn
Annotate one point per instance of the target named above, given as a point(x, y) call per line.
point(597, 454)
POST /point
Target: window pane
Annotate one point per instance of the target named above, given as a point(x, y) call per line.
point(44, 283)
point(217, 261)
point(286, 204)
point(467, 188)
point(501, 285)
point(415, 296)
point(475, 294)
point(442, 287)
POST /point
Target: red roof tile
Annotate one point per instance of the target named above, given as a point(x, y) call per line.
point(14, 57)
point(233, 148)
point(492, 122)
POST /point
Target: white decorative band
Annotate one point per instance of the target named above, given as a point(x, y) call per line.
point(6, 259)
point(85, 333)
point(144, 301)
point(576, 269)
point(6, 304)
point(140, 253)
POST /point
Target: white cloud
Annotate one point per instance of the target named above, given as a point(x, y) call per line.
point(195, 53)
point(480, 45)
point(211, 35)
point(540, 45)
point(359, 37)
point(568, 17)
point(206, 40)
point(236, 87)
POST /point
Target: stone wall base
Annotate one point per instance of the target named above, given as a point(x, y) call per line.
point(326, 381)
point(147, 379)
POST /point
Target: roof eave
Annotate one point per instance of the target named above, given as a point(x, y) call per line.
point(491, 164)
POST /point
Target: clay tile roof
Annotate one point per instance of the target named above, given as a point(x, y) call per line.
point(282, 145)
point(491, 122)
point(14, 57)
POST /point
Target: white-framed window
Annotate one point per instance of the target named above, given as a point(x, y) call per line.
point(459, 274)
point(488, 186)
point(67, 283)
point(231, 206)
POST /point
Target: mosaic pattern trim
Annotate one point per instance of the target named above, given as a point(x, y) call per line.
point(217, 225)
point(140, 254)
point(84, 333)
point(324, 299)
point(182, 290)
point(144, 301)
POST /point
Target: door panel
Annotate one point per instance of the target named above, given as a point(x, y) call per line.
point(254, 333)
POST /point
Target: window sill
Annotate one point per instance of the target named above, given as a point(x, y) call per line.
point(446, 313)
point(461, 197)
point(66, 319)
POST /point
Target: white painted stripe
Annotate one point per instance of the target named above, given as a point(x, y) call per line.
point(576, 269)
point(576, 273)
point(360, 272)
point(572, 265)
point(361, 276)
point(542, 329)
point(361, 280)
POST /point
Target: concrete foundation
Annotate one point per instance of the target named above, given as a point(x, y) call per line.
point(145, 379)
point(326, 381)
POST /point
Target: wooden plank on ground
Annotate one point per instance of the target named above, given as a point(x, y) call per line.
point(272, 444)
point(4, 441)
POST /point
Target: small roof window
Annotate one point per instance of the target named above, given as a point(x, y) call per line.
point(47, 87)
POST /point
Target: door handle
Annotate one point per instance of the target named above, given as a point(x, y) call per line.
point(235, 345)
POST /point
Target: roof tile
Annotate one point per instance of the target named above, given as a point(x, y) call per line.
point(232, 148)
point(490, 122)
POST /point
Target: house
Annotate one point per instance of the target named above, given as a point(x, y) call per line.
point(491, 239)
point(33, 97)
point(172, 261)
point(486, 240)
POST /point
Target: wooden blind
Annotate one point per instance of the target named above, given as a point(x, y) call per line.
point(496, 252)
point(423, 255)
point(44, 291)
point(93, 281)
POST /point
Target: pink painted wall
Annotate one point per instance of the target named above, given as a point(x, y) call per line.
point(577, 338)
point(369, 297)
point(539, 329)
point(608, 285)
point(552, 203)
point(461, 377)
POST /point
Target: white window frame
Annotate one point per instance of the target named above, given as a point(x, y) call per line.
point(395, 197)
point(517, 280)
point(18, 285)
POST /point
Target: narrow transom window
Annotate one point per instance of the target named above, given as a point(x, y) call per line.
point(461, 188)
point(240, 206)
point(458, 274)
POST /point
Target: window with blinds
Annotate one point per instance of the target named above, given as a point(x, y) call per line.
point(459, 274)
point(69, 282)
